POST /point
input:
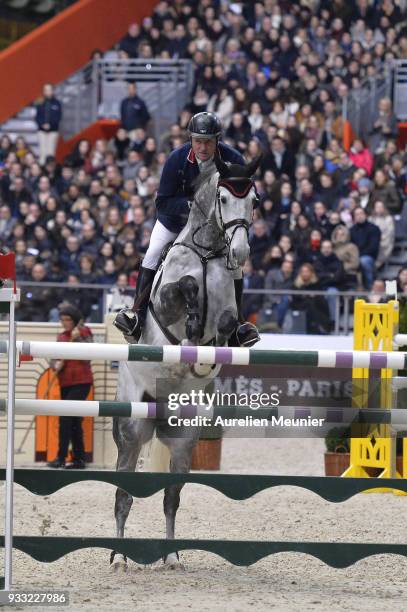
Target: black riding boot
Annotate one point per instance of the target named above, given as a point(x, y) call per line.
point(246, 333)
point(131, 322)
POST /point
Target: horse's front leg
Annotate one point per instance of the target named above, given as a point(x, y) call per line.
point(129, 437)
point(171, 304)
point(226, 325)
point(190, 289)
point(181, 455)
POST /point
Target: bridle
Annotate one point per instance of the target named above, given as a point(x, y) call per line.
point(223, 227)
point(235, 223)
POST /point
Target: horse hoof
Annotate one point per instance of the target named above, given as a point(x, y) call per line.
point(119, 567)
point(118, 564)
point(172, 562)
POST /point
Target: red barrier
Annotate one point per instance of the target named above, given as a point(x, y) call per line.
point(55, 50)
point(104, 128)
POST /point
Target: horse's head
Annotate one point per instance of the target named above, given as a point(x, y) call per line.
point(235, 198)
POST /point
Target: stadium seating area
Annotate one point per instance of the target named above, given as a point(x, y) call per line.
point(276, 73)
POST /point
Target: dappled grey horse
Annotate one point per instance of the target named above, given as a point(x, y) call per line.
point(192, 302)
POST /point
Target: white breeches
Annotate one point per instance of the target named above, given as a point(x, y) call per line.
point(160, 236)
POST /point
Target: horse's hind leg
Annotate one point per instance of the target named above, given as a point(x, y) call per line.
point(189, 289)
point(181, 454)
point(129, 437)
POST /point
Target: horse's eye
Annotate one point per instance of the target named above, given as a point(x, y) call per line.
point(223, 199)
point(255, 200)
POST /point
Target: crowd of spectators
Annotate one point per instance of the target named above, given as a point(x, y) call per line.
point(276, 73)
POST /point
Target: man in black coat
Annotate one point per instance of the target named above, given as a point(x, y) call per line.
point(251, 280)
point(366, 236)
point(130, 42)
point(133, 111)
point(259, 243)
point(331, 275)
point(280, 159)
point(48, 118)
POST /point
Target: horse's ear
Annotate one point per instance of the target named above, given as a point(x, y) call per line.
point(221, 167)
point(253, 165)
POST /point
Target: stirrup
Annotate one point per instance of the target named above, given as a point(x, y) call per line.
point(128, 322)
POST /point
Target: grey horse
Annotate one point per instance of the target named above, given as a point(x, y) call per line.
point(192, 302)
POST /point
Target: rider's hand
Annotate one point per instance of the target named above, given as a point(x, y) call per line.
point(57, 365)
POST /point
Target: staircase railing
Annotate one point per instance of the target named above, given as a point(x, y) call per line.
point(97, 90)
point(360, 106)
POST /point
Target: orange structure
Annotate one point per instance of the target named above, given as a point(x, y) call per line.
point(61, 46)
point(46, 427)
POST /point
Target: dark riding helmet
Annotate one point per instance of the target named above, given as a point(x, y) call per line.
point(205, 125)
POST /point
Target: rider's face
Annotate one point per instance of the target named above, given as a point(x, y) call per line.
point(204, 148)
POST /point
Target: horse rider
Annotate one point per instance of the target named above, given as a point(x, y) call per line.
point(174, 192)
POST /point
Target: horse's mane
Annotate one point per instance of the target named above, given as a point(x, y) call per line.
point(202, 178)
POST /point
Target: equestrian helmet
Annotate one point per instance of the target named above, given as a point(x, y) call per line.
point(205, 125)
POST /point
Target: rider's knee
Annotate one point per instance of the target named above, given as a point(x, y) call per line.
point(152, 257)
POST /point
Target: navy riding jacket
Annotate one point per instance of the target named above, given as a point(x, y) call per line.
point(49, 111)
point(134, 113)
point(175, 188)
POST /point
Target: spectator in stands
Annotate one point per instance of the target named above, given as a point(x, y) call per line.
point(119, 296)
point(6, 147)
point(277, 306)
point(280, 159)
point(7, 223)
point(348, 255)
point(377, 294)
point(48, 118)
point(69, 258)
point(328, 191)
point(385, 222)
point(87, 273)
point(80, 156)
point(252, 302)
point(129, 260)
point(133, 112)
point(36, 301)
point(239, 132)
point(130, 42)
point(109, 274)
point(331, 275)
point(259, 242)
point(384, 126)
point(315, 307)
point(366, 236)
point(91, 242)
point(361, 157)
point(385, 191)
point(402, 279)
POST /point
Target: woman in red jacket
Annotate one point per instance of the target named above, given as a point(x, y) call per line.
point(75, 379)
point(361, 157)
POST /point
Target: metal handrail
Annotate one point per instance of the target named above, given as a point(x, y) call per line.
point(61, 285)
point(342, 322)
point(96, 90)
